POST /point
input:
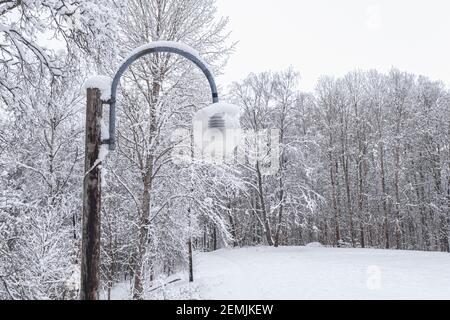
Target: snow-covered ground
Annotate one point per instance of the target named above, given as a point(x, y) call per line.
point(315, 272)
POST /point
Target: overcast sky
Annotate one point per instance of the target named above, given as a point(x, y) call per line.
point(333, 37)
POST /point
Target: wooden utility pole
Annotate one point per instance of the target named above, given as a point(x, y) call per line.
point(90, 250)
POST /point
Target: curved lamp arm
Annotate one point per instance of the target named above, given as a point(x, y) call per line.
point(166, 47)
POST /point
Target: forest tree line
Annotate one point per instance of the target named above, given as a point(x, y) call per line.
point(364, 160)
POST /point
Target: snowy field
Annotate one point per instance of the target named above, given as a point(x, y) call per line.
point(312, 272)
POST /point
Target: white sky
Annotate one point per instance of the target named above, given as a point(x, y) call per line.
point(334, 37)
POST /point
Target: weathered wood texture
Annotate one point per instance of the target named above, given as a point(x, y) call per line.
point(90, 251)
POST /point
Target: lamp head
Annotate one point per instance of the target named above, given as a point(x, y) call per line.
point(217, 130)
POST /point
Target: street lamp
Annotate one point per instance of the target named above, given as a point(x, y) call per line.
point(216, 121)
point(155, 47)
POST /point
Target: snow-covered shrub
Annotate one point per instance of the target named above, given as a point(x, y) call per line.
point(36, 254)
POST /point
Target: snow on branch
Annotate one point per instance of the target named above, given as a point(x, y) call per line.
point(171, 44)
point(103, 83)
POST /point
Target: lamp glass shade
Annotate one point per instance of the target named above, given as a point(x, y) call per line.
point(217, 131)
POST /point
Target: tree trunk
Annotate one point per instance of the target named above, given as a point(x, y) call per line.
point(191, 267)
point(281, 180)
point(336, 207)
point(233, 227)
point(214, 235)
point(280, 213)
point(266, 224)
point(138, 290)
point(398, 228)
point(349, 200)
point(448, 194)
point(384, 198)
point(147, 182)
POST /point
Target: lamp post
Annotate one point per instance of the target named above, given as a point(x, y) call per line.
point(102, 92)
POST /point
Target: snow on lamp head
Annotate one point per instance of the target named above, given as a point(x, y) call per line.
point(217, 131)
